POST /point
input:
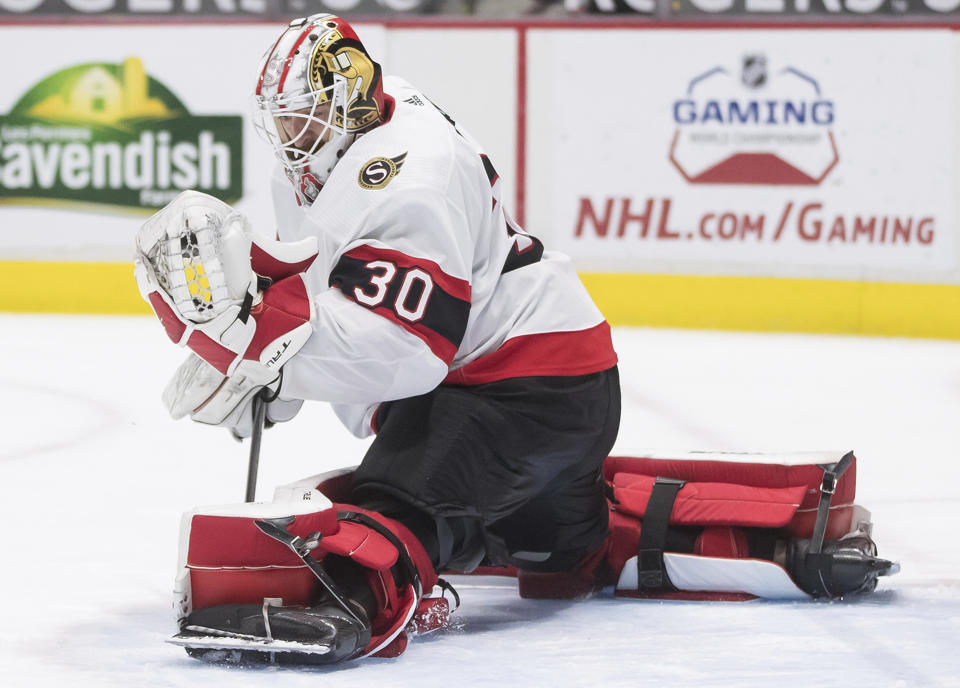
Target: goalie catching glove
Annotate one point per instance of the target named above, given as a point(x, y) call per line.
point(239, 302)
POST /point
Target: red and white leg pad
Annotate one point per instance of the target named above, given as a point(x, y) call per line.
point(226, 559)
point(724, 495)
point(780, 492)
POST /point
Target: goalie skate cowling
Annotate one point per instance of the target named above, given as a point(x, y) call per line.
point(267, 633)
point(844, 566)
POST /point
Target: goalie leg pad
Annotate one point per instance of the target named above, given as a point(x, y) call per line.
point(238, 556)
point(682, 527)
point(801, 501)
point(722, 541)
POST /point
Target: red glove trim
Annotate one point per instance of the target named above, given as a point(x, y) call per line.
point(214, 353)
point(174, 326)
point(285, 306)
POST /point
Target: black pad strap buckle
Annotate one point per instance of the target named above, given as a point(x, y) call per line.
point(828, 486)
point(651, 569)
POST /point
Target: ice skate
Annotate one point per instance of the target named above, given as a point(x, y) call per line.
point(844, 566)
point(263, 633)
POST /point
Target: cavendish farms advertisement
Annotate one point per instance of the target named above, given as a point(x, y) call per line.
point(111, 136)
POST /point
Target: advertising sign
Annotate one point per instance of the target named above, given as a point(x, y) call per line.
point(617, 6)
point(766, 129)
point(272, 9)
point(761, 152)
point(854, 9)
point(111, 135)
point(101, 126)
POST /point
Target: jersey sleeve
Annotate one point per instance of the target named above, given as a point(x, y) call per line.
point(412, 292)
point(357, 357)
point(357, 418)
point(395, 310)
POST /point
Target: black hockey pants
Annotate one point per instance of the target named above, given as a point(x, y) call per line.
point(502, 473)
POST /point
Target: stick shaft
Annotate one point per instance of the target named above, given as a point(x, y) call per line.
point(259, 414)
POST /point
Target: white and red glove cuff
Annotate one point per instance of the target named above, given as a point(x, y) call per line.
point(269, 332)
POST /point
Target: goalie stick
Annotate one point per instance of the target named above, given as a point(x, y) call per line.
point(259, 416)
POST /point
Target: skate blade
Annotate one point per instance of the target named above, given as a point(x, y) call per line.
point(892, 568)
point(245, 642)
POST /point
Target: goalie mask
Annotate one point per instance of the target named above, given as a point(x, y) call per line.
point(317, 90)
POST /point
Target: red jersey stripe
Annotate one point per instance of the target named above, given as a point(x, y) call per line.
point(441, 347)
point(577, 352)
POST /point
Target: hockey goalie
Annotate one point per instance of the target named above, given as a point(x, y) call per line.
point(400, 290)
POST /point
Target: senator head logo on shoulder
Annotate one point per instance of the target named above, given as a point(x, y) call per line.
point(377, 173)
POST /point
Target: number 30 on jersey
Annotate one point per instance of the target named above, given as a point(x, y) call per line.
point(410, 302)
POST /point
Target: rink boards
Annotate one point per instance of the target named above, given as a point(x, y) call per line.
point(745, 177)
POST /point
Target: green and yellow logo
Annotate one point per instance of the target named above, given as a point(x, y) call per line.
point(111, 135)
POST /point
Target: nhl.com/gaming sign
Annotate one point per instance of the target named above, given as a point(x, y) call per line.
point(753, 125)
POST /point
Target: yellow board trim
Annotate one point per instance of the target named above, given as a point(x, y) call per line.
point(778, 305)
point(33, 287)
point(685, 301)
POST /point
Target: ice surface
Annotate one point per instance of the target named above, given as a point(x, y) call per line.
point(94, 476)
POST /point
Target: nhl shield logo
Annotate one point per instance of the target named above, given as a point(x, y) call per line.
point(727, 134)
point(754, 74)
point(378, 172)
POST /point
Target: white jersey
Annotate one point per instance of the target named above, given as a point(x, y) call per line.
point(423, 278)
